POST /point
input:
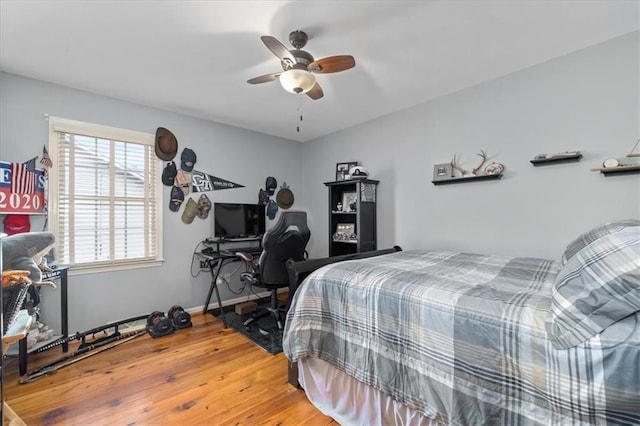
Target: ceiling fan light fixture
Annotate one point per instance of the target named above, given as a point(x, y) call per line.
point(297, 81)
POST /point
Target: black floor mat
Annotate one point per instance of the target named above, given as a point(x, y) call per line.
point(263, 332)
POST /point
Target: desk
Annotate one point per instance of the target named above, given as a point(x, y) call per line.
point(215, 260)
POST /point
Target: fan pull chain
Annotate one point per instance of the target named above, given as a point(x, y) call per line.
point(299, 115)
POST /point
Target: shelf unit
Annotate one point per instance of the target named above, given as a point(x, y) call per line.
point(467, 179)
point(362, 220)
point(633, 168)
point(556, 160)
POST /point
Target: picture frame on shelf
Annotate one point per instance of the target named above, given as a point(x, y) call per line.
point(342, 170)
point(442, 171)
point(345, 232)
point(349, 201)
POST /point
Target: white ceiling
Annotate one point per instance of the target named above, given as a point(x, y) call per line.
point(194, 57)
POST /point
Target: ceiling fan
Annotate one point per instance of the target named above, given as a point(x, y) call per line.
point(299, 67)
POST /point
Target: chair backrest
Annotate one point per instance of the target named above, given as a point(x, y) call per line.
point(287, 239)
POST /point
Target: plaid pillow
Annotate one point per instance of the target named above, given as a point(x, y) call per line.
point(590, 236)
point(599, 285)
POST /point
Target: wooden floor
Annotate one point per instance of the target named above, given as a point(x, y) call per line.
point(204, 375)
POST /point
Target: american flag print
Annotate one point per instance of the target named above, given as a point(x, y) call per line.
point(23, 177)
point(46, 160)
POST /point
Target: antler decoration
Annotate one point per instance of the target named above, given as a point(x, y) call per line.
point(474, 172)
point(483, 155)
point(456, 166)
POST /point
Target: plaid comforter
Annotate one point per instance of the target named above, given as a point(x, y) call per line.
point(461, 337)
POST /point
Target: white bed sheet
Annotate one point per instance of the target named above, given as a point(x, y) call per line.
point(350, 402)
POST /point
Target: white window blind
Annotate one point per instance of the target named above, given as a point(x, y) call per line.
point(104, 196)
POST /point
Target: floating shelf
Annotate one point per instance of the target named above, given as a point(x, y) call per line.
point(631, 168)
point(467, 179)
point(556, 160)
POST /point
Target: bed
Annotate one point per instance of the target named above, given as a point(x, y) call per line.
point(441, 337)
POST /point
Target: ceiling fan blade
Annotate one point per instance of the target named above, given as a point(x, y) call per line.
point(264, 78)
point(278, 49)
point(332, 64)
point(316, 92)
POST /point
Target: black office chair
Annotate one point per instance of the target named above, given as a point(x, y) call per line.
point(286, 240)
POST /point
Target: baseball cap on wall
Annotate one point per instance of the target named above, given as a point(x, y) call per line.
point(177, 197)
point(272, 209)
point(190, 211)
point(16, 224)
point(188, 160)
point(270, 185)
point(204, 206)
point(169, 174)
point(183, 181)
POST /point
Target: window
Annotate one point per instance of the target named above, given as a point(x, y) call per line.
point(104, 196)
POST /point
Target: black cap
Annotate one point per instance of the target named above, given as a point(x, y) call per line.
point(169, 174)
point(270, 185)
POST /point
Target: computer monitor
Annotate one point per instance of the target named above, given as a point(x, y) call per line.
point(235, 220)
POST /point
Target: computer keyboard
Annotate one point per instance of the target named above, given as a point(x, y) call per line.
point(249, 249)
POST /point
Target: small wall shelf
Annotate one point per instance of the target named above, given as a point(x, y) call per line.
point(631, 168)
point(467, 179)
point(556, 160)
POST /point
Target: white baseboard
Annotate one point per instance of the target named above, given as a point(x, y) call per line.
point(234, 301)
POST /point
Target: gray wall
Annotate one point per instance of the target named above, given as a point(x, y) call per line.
point(231, 153)
point(588, 101)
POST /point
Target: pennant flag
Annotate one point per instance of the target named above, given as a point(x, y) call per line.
point(23, 177)
point(203, 182)
point(46, 160)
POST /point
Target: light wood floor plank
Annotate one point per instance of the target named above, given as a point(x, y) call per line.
point(204, 375)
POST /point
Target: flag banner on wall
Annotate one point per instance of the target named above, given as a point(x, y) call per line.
point(22, 188)
point(23, 177)
point(202, 182)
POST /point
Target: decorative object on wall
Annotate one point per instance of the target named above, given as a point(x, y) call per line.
point(614, 166)
point(299, 66)
point(203, 182)
point(555, 158)
point(190, 211)
point(633, 152)
point(22, 188)
point(342, 170)
point(184, 181)
point(442, 171)
point(166, 144)
point(272, 209)
point(494, 169)
point(285, 197)
point(16, 224)
point(270, 185)
point(177, 197)
point(455, 164)
point(263, 197)
point(188, 160)
point(445, 173)
point(169, 174)
point(204, 206)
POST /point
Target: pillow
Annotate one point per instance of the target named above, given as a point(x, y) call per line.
point(590, 236)
point(598, 286)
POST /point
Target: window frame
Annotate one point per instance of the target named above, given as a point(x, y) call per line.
point(58, 125)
